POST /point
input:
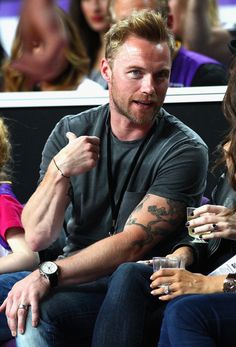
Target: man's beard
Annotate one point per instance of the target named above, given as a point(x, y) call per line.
point(120, 108)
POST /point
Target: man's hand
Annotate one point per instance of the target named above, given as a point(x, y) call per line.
point(79, 156)
point(44, 41)
point(23, 294)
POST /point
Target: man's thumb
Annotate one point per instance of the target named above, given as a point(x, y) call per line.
point(71, 136)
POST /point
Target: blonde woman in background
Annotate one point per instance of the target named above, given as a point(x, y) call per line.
point(71, 73)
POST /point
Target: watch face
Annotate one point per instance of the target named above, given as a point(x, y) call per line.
point(48, 267)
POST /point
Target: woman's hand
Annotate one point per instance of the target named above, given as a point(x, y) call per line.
point(181, 281)
point(215, 221)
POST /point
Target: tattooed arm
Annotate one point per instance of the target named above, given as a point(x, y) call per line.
point(152, 220)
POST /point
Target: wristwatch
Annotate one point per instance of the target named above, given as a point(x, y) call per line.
point(230, 284)
point(49, 270)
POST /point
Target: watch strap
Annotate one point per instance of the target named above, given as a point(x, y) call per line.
point(229, 285)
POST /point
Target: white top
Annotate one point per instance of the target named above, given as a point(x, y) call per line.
point(89, 87)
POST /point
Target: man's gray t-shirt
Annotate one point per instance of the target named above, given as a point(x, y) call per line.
point(172, 164)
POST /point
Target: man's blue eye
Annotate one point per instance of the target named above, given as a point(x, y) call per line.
point(135, 73)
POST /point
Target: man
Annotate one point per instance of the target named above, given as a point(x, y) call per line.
point(198, 27)
point(189, 69)
point(129, 170)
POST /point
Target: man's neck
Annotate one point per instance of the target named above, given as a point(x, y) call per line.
point(125, 130)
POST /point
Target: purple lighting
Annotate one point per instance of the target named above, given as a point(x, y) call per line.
point(11, 8)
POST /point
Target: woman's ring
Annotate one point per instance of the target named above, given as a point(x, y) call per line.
point(166, 289)
point(215, 227)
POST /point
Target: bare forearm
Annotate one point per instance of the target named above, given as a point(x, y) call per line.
point(18, 262)
point(101, 258)
point(43, 214)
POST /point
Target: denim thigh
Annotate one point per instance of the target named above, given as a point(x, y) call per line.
point(67, 316)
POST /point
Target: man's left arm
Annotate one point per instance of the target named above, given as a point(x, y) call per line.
point(151, 221)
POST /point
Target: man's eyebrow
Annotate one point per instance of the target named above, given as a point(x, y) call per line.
point(135, 67)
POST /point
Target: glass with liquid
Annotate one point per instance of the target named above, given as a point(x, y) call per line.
point(190, 215)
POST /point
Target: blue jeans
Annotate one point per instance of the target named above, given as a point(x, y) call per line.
point(67, 316)
point(107, 313)
point(200, 320)
point(123, 313)
point(6, 283)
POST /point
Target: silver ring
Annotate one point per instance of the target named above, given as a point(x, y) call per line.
point(166, 289)
point(23, 307)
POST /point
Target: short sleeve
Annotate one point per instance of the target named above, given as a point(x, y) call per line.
point(10, 214)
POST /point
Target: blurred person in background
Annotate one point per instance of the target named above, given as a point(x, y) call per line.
point(197, 25)
point(40, 23)
point(2, 57)
point(71, 72)
point(92, 20)
point(189, 69)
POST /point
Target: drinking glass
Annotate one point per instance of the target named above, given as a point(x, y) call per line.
point(165, 263)
point(190, 216)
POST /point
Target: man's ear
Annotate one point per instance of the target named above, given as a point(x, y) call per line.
point(105, 70)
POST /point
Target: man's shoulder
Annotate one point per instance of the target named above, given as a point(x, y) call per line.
point(178, 127)
point(88, 118)
point(89, 114)
point(83, 123)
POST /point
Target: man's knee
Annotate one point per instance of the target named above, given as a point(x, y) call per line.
point(130, 270)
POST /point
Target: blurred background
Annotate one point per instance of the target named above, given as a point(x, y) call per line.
point(9, 11)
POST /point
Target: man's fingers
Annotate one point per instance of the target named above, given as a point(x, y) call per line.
point(22, 314)
point(11, 314)
point(35, 312)
point(3, 306)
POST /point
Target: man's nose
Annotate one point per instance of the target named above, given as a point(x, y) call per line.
point(148, 85)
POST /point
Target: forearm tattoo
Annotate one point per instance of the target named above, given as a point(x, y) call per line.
point(172, 216)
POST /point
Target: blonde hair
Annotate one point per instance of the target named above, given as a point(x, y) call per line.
point(5, 150)
point(146, 24)
point(75, 55)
